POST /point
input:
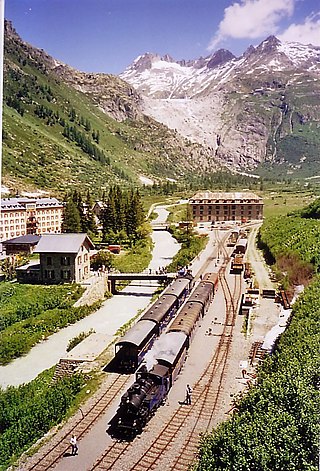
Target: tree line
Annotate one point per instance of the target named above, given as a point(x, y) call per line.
point(78, 213)
point(122, 215)
point(121, 218)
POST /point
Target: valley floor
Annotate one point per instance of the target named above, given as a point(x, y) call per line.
point(266, 315)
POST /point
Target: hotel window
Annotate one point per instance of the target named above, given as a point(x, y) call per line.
point(49, 260)
point(79, 260)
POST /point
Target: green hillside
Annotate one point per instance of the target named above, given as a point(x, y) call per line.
point(56, 136)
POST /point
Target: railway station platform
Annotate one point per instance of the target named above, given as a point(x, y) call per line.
point(90, 348)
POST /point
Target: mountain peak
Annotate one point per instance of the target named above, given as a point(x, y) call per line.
point(269, 44)
point(220, 57)
point(145, 61)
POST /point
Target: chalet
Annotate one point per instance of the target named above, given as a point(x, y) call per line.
point(63, 258)
point(23, 244)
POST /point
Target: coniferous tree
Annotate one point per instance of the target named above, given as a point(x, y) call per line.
point(71, 217)
point(109, 215)
point(119, 205)
point(77, 199)
point(87, 125)
point(89, 224)
point(134, 214)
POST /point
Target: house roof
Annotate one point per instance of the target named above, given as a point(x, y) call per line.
point(62, 243)
point(30, 239)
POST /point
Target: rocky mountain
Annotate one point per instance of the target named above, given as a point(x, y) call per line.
point(258, 111)
point(65, 128)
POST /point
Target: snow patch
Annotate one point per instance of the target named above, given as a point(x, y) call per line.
point(146, 180)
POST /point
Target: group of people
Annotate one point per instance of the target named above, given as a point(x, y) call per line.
point(160, 271)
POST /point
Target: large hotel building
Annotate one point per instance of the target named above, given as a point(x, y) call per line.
point(208, 206)
point(22, 216)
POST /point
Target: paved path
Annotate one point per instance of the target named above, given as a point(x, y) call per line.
point(107, 320)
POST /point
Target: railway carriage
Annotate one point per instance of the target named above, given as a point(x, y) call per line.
point(234, 235)
point(131, 348)
point(187, 320)
point(237, 264)
point(202, 294)
point(211, 278)
point(241, 246)
point(179, 288)
point(162, 311)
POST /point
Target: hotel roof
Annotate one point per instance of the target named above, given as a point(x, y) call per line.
point(237, 195)
point(20, 203)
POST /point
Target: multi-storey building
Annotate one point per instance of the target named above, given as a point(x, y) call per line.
point(22, 216)
point(238, 206)
point(64, 258)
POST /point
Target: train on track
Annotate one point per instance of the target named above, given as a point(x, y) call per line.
point(237, 262)
point(162, 363)
point(234, 236)
point(132, 347)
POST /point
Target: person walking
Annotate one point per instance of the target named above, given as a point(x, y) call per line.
point(188, 394)
point(74, 445)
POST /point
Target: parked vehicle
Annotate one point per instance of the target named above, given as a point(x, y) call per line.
point(114, 248)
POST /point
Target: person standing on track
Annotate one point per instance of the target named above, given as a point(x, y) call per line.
point(74, 445)
point(188, 395)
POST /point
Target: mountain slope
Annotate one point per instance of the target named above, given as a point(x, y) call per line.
point(66, 128)
point(259, 110)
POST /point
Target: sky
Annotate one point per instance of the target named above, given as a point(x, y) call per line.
point(107, 35)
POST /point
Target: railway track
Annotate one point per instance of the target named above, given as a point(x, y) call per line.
point(58, 447)
point(204, 399)
point(206, 394)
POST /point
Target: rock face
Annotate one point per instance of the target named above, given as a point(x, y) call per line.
point(249, 110)
point(114, 96)
point(59, 120)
